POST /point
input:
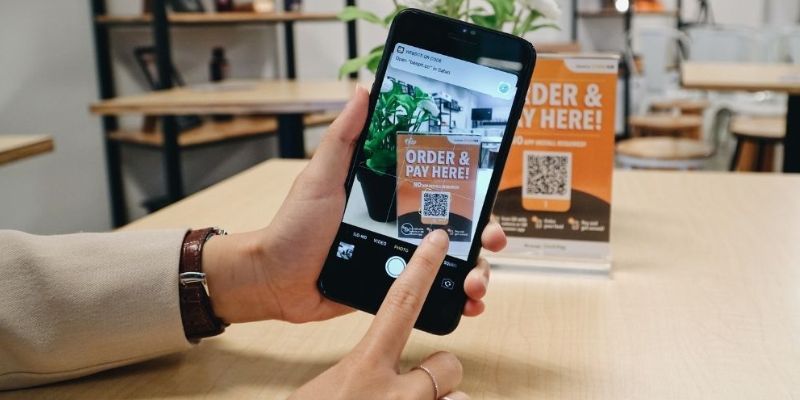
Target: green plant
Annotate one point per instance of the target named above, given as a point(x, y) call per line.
point(395, 111)
point(517, 17)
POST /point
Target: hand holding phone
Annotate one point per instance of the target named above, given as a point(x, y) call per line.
point(443, 110)
point(374, 361)
point(271, 273)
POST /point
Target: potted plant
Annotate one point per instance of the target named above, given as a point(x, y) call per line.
point(517, 17)
point(397, 110)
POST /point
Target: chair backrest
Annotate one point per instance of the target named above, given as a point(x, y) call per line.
point(768, 46)
point(659, 50)
point(792, 40)
point(722, 44)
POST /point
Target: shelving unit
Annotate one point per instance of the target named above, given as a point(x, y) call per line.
point(217, 18)
point(168, 139)
point(213, 132)
point(612, 13)
point(627, 19)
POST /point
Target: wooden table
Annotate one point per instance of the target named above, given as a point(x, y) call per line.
point(754, 77)
point(17, 147)
point(703, 303)
point(290, 100)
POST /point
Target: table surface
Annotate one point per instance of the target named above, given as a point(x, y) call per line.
point(17, 147)
point(741, 76)
point(702, 303)
point(235, 97)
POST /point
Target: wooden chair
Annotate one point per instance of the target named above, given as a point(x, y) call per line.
point(688, 126)
point(756, 140)
point(683, 106)
point(663, 153)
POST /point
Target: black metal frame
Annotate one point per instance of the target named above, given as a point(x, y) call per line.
point(626, 68)
point(291, 144)
point(791, 142)
point(106, 90)
point(170, 150)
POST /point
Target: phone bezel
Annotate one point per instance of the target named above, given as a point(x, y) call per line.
point(435, 33)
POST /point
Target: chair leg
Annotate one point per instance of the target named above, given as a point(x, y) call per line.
point(736, 154)
point(769, 157)
point(760, 147)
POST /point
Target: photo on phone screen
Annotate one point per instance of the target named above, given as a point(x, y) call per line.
point(443, 112)
point(438, 123)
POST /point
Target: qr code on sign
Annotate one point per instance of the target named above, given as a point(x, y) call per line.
point(547, 175)
point(436, 204)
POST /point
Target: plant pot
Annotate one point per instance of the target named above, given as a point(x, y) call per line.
point(380, 193)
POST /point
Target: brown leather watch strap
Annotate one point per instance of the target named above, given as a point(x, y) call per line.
point(199, 320)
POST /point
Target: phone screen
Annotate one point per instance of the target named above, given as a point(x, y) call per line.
point(439, 126)
point(433, 138)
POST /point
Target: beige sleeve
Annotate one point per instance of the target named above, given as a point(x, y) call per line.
point(74, 305)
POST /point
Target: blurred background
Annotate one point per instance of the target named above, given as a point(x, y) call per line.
point(50, 77)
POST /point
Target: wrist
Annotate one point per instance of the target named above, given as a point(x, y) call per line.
point(235, 267)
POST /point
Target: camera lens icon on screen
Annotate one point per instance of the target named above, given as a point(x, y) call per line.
point(503, 87)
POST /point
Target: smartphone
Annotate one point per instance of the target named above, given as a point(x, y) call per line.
point(442, 115)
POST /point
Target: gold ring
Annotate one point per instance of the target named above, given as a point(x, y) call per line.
point(433, 380)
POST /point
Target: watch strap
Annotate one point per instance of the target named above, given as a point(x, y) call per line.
point(197, 314)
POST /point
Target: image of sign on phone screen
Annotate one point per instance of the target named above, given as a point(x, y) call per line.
point(423, 148)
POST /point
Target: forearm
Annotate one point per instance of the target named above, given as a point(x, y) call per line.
point(73, 305)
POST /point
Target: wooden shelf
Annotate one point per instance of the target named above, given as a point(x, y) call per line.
point(235, 97)
point(216, 132)
point(211, 18)
point(606, 13)
point(17, 147)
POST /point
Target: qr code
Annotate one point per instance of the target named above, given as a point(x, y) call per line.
point(436, 204)
point(547, 174)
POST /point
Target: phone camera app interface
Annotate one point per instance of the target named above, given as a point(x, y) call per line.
point(429, 154)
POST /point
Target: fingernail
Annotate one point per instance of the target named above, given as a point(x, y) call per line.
point(438, 238)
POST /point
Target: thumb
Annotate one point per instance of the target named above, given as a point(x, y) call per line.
point(333, 155)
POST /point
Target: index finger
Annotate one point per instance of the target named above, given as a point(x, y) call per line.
point(394, 321)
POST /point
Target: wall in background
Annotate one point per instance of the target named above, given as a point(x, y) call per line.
point(47, 82)
point(49, 79)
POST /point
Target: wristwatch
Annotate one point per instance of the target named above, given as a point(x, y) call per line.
point(199, 320)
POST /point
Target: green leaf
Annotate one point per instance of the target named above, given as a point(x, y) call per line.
point(540, 26)
point(374, 60)
point(503, 10)
point(389, 18)
point(353, 65)
point(351, 13)
point(486, 21)
point(383, 162)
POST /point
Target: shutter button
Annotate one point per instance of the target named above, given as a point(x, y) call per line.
point(395, 266)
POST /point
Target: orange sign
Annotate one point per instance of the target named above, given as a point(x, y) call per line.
point(436, 176)
point(557, 181)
